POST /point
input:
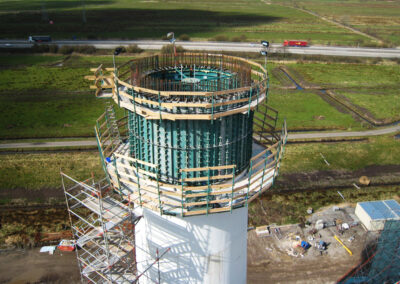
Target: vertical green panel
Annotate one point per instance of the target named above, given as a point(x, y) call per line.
point(174, 145)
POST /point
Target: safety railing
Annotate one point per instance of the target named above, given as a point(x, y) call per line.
point(110, 133)
point(177, 105)
point(213, 190)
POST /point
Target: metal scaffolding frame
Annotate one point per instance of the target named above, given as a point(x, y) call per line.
point(381, 258)
point(211, 112)
point(104, 232)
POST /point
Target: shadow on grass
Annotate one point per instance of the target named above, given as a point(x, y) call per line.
point(125, 23)
point(47, 5)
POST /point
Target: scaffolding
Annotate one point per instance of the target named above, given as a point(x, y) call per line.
point(184, 148)
point(104, 231)
point(381, 258)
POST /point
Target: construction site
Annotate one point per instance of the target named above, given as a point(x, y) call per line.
point(190, 146)
point(180, 170)
point(181, 167)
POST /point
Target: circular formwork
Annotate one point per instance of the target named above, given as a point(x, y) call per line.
point(191, 111)
point(186, 147)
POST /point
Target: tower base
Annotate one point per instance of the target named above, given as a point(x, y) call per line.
point(203, 249)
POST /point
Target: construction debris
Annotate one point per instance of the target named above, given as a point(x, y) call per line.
point(319, 225)
point(364, 180)
point(49, 249)
point(263, 231)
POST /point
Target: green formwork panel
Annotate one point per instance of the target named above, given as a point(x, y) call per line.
point(175, 145)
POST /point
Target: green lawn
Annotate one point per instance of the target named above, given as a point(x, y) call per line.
point(383, 104)
point(13, 61)
point(306, 110)
point(36, 171)
point(41, 101)
point(49, 115)
point(153, 19)
point(379, 150)
point(372, 87)
point(340, 75)
point(377, 18)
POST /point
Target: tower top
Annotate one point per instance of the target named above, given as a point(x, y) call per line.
point(188, 148)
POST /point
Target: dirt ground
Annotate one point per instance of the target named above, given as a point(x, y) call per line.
point(381, 174)
point(31, 266)
point(270, 258)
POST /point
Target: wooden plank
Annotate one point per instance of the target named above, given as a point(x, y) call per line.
point(170, 193)
point(197, 212)
point(200, 105)
point(203, 187)
point(135, 160)
point(124, 94)
point(218, 210)
point(229, 102)
point(211, 178)
point(205, 202)
point(208, 168)
point(263, 160)
point(261, 170)
point(101, 117)
point(96, 69)
point(137, 169)
point(171, 202)
point(107, 86)
point(270, 148)
point(211, 193)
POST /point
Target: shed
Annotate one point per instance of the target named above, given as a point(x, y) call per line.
point(373, 214)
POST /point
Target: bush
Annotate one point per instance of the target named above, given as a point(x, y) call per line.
point(239, 38)
point(53, 48)
point(66, 49)
point(40, 48)
point(91, 36)
point(169, 48)
point(184, 37)
point(121, 48)
point(220, 38)
point(85, 49)
point(134, 49)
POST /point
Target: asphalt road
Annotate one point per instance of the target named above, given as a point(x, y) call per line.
point(291, 136)
point(223, 46)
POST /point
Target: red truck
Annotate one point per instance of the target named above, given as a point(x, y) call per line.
point(295, 43)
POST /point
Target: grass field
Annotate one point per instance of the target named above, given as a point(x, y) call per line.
point(292, 208)
point(306, 110)
point(382, 103)
point(37, 171)
point(373, 87)
point(38, 100)
point(379, 150)
point(337, 75)
point(377, 18)
point(153, 19)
